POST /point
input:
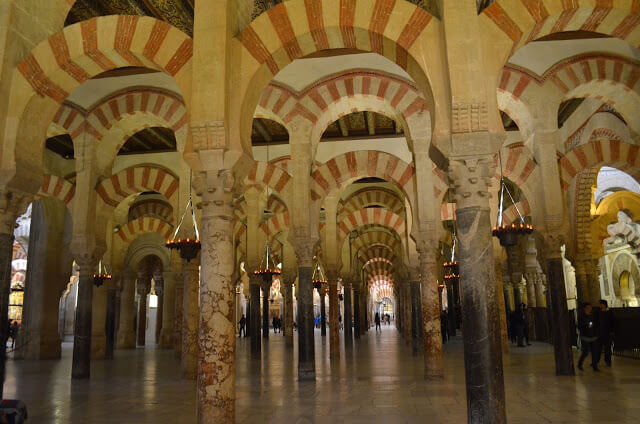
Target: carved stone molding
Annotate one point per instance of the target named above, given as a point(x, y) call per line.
point(469, 117)
point(208, 135)
point(471, 178)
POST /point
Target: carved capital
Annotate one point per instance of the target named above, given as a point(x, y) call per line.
point(553, 241)
point(471, 178)
point(216, 189)
point(13, 203)
point(304, 246)
point(208, 135)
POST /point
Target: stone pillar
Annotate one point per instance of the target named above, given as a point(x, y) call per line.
point(266, 288)
point(407, 318)
point(323, 312)
point(142, 288)
point(126, 329)
point(558, 305)
point(416, 317)
point(179, 316)
point(110, 325)
point(356, 313)
point(593, 281)
point(11, 206)
point(189, 358)
point(254, 315)
point(159, 288)
point(81, 364)
point(306, 348)
point(432, 331)
point(582, 283)
point(216, 331)
point(168, 309)
point(500, 294)
point(334, 326)
point(480, 321)
point(98, 321)
point(348, 319)
point(287, 281)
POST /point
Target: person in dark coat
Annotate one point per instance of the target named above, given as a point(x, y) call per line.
point(588, 336)
point(242, 322)
point(606, 326)
point(444, 326)
point(526, 323)
point(518, 325)
point(377, 319)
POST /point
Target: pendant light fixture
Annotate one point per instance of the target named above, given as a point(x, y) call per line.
point(318, 278)
point(102, 275)
point(188, 247)
point(268, 266)
point(508, 234)
point(452, 267)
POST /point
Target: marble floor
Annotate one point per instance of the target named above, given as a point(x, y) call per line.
point(377, 381)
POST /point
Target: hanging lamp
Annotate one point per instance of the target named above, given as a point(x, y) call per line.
point(508, 234)
point(318, 278)
point(102, 275)
point(187, 247)
point(268, 266)
point(452, 266)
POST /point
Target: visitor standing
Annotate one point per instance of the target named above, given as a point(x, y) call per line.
point(588, 337)
point(242, 323)
point(377, 319)
point(606, 326)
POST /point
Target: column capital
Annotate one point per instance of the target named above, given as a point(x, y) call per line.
point(13, 203)
point(304, 246)
point(471, 178)
point(553, 241)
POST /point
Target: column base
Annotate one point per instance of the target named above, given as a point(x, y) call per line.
point(126, 340)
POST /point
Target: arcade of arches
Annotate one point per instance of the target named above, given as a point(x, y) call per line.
point(359, 140)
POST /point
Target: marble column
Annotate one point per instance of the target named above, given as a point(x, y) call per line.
point(348, 319)
point(306, 347)
point(159, 288)
point(356, 313)
point(334, 325)
point(254, 315)
point(98, 321)
point(408, 318)
point(287, 281)
point(6, 254)
point(323, 312)
point(168, 309)
point(216, 331)
point(126, 329)
point(480, 321)
point(504, 330)
point(416, 317)
point(81, 363)
point(178, 317)
point(266, 288)
point(431, 328)
point(558, 305)
point(142, 288)
point(593, 281)
point(189, 358)
point(110, 325)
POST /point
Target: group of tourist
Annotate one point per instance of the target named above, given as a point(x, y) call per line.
point(518, 326)
point(12, 332)
point(596, 333)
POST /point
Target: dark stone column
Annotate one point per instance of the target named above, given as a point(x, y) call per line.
point(110, 323)
point(6, 254)
point(356, 314)
point(415, 317)
point(143, 290)
point(558, 307)
point(480, 320)
point(451, 318)
point(334, 326)
point(348, 319)
point(254, 315)
point(247, 325)
point(287, 280)
point(323, 313)
point(430, 302)
point(81, 365)
point(306, 348)
point(266, 287)
point(159, 287)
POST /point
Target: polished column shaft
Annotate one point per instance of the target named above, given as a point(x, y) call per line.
point(306, 349)
point(334, 328)
point(254, 315)
point(81, 365)
point(189, 359)
point(266, 287)
point(348, 319)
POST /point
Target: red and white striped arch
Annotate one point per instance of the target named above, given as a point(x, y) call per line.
point(276, 224)
point(523, 21)
point(341, 170)
point(266, 174)
point(371, 196)
point(60, 64)
point(137, 179)
point(58, 187)
point(371, 216)
point(614, 153)
point(146, 224)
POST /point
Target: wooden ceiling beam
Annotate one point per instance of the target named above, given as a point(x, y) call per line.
point(262, 129)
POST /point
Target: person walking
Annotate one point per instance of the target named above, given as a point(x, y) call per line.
point(15, 329)
point(242, 323)
point(377, 319)
point(588, 337)
point(606, 326)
